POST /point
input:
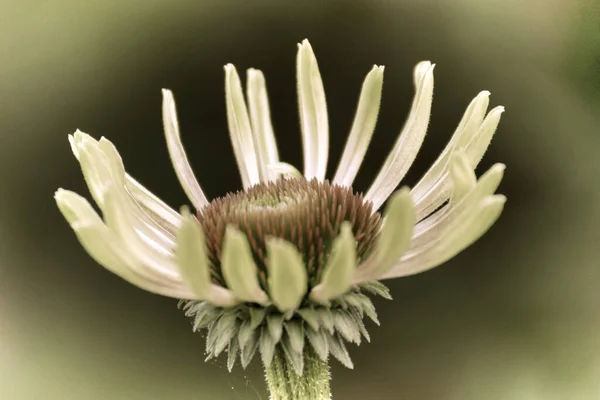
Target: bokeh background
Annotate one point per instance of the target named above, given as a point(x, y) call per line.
point(515, 317)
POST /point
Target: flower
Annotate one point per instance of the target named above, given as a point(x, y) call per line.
point(290, 257)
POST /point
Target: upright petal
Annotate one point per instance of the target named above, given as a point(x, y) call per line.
point(362, 128)
point(313, 113)
point(194, 267)
point(262, 129)
point(340, 268)
point(287, 275)
point(183, 169)
point(410, 140)
point(240, 130)
point(239, 270)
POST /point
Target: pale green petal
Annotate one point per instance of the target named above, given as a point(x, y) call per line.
point(394, 239)
point(409, 142)
point(240, 130)
point(313, 113)
point(193, 264)
point(466, 233)
point(287, 274)
point(362, 128)
point(182, 166)
point(239, 270)
point(339, 269)
point(262, 129)
point(462, 175)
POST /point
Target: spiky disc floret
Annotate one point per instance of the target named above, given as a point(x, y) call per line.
point(245, 329)
point(308, 214)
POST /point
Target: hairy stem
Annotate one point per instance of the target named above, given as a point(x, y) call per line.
point(285, 384)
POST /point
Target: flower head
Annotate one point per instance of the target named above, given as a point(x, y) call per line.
point(290, 257)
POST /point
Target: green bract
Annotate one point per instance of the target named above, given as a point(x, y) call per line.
point(243, 330)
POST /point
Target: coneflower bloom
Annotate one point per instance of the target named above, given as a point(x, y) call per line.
point(287, 261)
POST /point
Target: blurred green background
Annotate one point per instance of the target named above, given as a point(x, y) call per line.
point(515, 317)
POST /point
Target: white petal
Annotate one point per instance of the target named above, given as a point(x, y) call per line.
point(433, 188)
point(470, 229)
point(287, 275)
point(240, 130)
point(409, 142)
point(183, 169)
point(239, 270)
point(194, 267)
point(262, 129)
point(106, 249)
point(394, 239)
point(313, 113)
point(362, 128)
point(340, 268)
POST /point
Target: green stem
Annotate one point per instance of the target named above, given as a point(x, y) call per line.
point(285, 384)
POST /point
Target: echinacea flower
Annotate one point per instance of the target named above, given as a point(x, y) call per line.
point(284, 265)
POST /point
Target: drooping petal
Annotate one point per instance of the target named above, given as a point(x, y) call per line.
point(313, 113)
point(194, 267)
point(148, 228)
point(287, 274)
point(160, 212)
point(470, 229)
point(182, 167)
point(119, 220)
point(168, 218)
point(240, 130)
point(340, 268)
point(362, 128)
point(394, 239)
point(262, 129)
point(410, 140)
point(238, 267)
point(106, 249)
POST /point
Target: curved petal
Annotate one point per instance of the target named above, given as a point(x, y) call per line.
point(106, 249)
point(410, 140)
point(433, 185)
point(182, 167)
